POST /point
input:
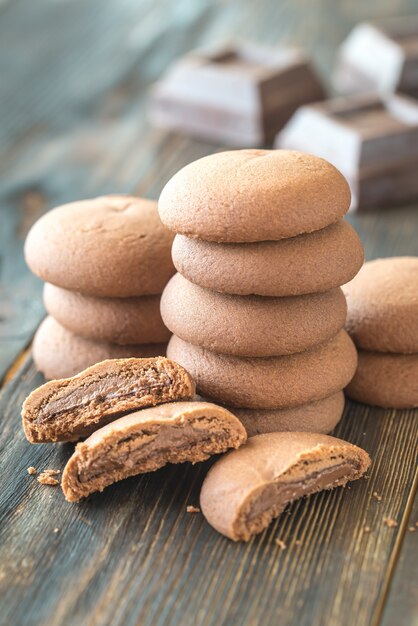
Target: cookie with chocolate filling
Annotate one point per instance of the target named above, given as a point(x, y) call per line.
point(124, 321)
point(311, 263)
point(67, 409)
point(275, 382)
point(247, 488)
point(59, 353)
point(320, 416)
point(146, 440)
point(254, 195)
point(251, 325)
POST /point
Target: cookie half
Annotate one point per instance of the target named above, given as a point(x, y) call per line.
point(112, 246)
point(321, 416)
point(271, 382)
point(70, 408)
point(385, 379)
point(254, 195)
point(309, 263)
point(59, 353)
point(251, 325)
point(118, 320)
point(146, 440)
point(383, 305)
point(247, 488)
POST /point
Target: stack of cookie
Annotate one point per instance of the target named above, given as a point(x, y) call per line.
point(105, 262)
point(256, 309)
point(383, 322)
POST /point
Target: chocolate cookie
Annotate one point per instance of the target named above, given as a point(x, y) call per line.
point(113, 246)
point(147, 440)
point(59, 353)
point(386, 380)
point(271, 382)
point(117, 320)
point(383, 305)
point(309, 263)
point(251, 325)
point(321, 416)
point(67, 409)
point(254, 195)
point(247, 488)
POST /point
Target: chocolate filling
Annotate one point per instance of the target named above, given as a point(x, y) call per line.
point(146, 450)
point(104, 390)
point(269, 501)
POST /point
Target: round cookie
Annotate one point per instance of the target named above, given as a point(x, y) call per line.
point(272, 382)
point(113, 246)
point(309, 263)
point(383, 305)
point(58, 353)
point(321, 416)
point(119, 320)
point(251, 325)
point(254, 195)
point(386, 380)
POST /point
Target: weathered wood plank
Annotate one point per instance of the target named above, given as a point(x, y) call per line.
point(401, 606)
point(133, 555)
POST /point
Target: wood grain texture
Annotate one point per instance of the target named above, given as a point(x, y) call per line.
point(134, 555)
point(74, 125)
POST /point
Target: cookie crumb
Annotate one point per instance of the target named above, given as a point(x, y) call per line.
point(376, 496)
point(56, 530)
point(192, 509)
point(280, 543)
point(366, 529)
point(31, 470)
point(412, 529)
point(47, 477)
point(390, 523)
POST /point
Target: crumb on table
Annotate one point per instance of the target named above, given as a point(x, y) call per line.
point(47, 477)
point(31, 470)
point(56, 530)
point(280, 543)
point(376, 496)
point(366, 529)
point(192, 509)
point(390, 522)
point(412, 529)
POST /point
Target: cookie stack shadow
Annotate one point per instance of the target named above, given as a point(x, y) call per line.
point(105, 262)
point(256, 306)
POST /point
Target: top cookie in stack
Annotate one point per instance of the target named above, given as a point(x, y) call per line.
point(106, 262)
point(257, 311)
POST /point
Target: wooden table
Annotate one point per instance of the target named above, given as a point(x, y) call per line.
point(73, 98)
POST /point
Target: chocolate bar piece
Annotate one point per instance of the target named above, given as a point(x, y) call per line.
point(240, 95)
point(373, 141)
point(382, 57)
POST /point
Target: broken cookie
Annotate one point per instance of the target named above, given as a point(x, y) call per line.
point(147, 440)
point(247, 488)
point(67, 409)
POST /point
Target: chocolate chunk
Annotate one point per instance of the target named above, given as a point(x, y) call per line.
point(380, 56)
point(67, 409)
point(147, 440)
point(373, 141)
point(240, 95)
point(247, 488)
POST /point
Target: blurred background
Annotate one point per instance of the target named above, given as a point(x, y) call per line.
point(74, 95)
